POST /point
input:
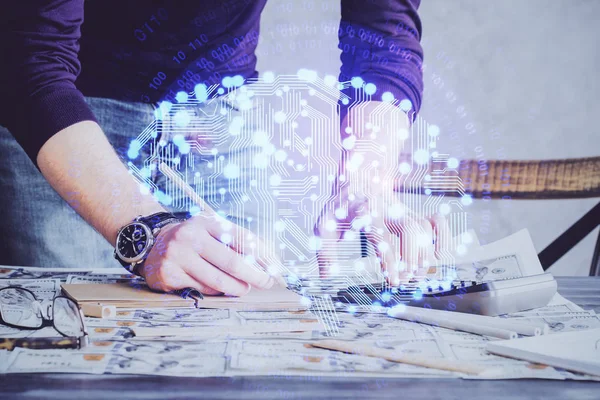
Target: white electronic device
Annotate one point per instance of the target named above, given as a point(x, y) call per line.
point(484, 298)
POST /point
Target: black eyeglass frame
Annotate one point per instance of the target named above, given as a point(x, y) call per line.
point(48, 322)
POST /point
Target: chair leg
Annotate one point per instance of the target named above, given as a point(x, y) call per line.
point(595, 267)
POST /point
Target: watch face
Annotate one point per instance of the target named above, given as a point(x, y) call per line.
point(133, 241)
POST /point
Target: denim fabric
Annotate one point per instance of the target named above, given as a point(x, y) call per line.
point(39, 228)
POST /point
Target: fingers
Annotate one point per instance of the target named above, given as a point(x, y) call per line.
point(208, 275)
point(231, 262)
point(442, 235)
point(171, 277)
point(246, 258)
point(383, 242)
point(326, 249)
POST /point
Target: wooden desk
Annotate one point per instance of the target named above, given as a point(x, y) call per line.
point(583, 291)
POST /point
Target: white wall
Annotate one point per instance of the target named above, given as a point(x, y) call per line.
point(523, 70)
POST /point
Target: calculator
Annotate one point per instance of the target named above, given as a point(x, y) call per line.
point(484, 298)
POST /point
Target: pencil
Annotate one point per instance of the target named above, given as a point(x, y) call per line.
point(191, 193)
point(423, 316)
point(397, 356)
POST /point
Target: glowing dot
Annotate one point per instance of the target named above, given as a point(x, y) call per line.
point(268, 77)
point(236, 125)
point(280, 155)
point(433, 130)
point(237, 80)
point(466, 199)
point(286, 88)
point(260, 138)
point(308, 141)
point(226, 238)
point(307, 75)
point(214, 152)
point(461, 249)
point(290, 162)
point(279, 226)
point(314, 179)
point(269, 149)
point(313, 197)
point(403, 134)
point(278, 92)
point(345, 101)
point(357, 82)
point(341, 213)
point(133, 153)
point(445, 209)
point(222, 191)
point(396, 211)
point(405, 168)
point(279, 117)
point(181, 97)
point(166, 106)
point(144, 189)
point(275, 180)
point(330, 80)
point(227, 82)
point(421, 156)
point(387, 97)
point(349, 142)
point(200, 92)
point(428, 192)
point(253, 182)
point(330, 225)
point(383, 246)
point(182, 118)
point(195, 210)
point(453, 163)
point(231, 171)
point(405, 105)
point(220, 90)
point(370, 88)
point(158, 114)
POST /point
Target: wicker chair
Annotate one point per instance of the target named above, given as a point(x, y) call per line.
point(545, 179)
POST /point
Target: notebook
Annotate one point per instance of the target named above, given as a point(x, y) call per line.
point(125, 295)
point(574, 351)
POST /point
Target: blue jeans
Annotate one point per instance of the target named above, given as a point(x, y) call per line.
point(40, 229)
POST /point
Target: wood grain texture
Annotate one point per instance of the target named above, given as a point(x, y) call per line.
point(531, 179)
point(583, 291)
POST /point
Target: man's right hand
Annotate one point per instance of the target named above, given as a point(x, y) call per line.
point(210, 254)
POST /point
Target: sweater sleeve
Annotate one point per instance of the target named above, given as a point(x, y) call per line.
point(40, 42)
point(380, 43)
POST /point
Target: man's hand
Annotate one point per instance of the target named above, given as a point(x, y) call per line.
point(210, 254)
point(363, 199)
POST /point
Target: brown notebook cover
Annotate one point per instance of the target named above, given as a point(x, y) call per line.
point(124, 295)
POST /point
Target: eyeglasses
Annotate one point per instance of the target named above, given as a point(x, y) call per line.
point(19, 308)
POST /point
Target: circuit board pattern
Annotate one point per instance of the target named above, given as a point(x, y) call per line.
point(265, 154)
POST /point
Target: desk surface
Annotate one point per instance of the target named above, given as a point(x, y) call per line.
point(583, 291)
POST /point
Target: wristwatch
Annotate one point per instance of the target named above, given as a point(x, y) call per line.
point(135, 240)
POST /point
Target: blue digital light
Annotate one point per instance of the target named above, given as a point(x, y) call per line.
point(357, 82)
point(466, 200)
point(220, 90)
point(227, 82)
point(195, 210)
point(370, 89)
point(417, 294)
point(345, 101)
point(387, 96)
point(166, 106)
point(237, 80)
point(386, 296)
point(181, 97)
point(405, 105)
point(200, 92)
point(134, 149)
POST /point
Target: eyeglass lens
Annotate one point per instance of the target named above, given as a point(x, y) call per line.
point(19, 307)
point(66, 316)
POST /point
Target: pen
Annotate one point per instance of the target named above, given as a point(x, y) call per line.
point(188, 190)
